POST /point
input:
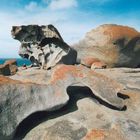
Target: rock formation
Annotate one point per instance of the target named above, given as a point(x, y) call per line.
point(43, 45)
point(114, 45)
point(8, 68)
point(24, 98)
point(69, 102)
point(106, 46)
point(30, 96)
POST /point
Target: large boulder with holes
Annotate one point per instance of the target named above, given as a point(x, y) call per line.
point(43, 45)
point(8, 68)
point(114, 45)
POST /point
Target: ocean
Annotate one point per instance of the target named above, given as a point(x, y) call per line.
point(20, 61)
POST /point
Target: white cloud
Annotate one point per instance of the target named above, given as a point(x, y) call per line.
point(31, 6)
point(62, 4)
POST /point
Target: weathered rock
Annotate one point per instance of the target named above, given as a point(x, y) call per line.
point(115, 45)
point(34, 33)
point(64, 130)
point(74, 101)
point(97, 134)
point(8, 68)
point(98, 65)
point(93, 121)
point(43, 45)
point(19, 100)
point(88, 61)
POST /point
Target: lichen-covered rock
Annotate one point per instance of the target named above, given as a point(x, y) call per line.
point(91, 120)
point(115, 45)
point(98, 65)
point(20, 99)
point(110, 108)
point(43, 45)
point(8, 68)
point(88, 61)
point(102, 134)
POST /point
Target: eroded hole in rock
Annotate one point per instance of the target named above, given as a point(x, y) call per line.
point(75, 93)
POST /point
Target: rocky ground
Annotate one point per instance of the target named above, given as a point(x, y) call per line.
point(84, 117)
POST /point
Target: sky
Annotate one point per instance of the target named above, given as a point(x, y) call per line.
point(73, 18)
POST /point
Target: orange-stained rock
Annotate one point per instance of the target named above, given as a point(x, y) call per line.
point(115, 45)
point(98, 65)
point(100, 134)
point(60, 72)
point(8, 68)
point(72, 111)
point(4, 80)
point(70, 75)
point(10, 62)
point(88, 61)
point(95, 135)
point(82, 117)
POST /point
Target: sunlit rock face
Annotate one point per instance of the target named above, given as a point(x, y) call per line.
point(115, 45)
point(43, 45)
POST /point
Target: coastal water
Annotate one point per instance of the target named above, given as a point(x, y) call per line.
point(20, 62)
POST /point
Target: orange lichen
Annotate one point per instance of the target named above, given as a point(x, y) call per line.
point(99, 134)
point(116, 31)
point(7, 80)
point(4, 79)
point(95, 135)
point(61, 71)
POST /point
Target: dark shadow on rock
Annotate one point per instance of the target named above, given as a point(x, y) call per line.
point(122, 96)
point(75, 93)
point(138, 66)
point(88, 93)
point(55, 41)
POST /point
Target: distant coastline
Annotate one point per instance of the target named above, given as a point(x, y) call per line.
point(20, 61)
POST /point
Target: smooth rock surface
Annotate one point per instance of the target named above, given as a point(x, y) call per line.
point(84, 118)
point(24, 97)
point(115, 45)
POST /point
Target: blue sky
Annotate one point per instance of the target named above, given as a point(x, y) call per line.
point(73, 18)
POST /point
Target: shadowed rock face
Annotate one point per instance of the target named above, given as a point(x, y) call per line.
point(34, 33)
point(43, 45)
point(115, 45)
